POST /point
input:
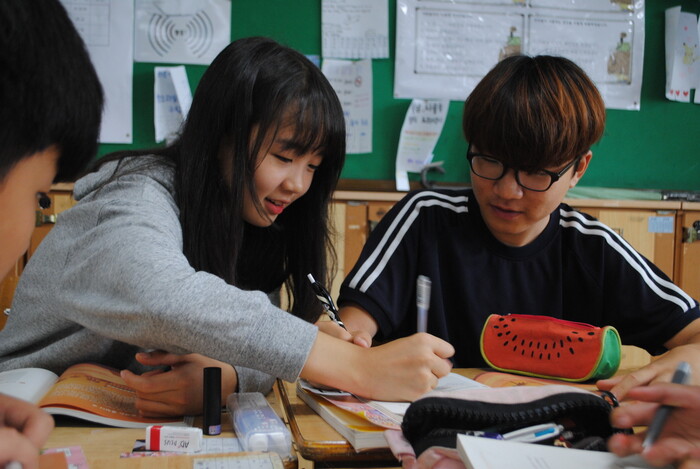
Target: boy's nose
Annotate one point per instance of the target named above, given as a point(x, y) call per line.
point(507, 187)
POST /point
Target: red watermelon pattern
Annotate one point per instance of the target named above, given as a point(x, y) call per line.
point(550, 347)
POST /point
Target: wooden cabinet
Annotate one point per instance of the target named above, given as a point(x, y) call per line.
point(362, 212)
point(61, 199)
point(688, 255)
point(649, 226)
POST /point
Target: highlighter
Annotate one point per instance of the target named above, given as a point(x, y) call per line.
point(212, 401)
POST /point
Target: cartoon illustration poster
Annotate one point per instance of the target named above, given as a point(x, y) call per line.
point(682, 55)
point(443, 48)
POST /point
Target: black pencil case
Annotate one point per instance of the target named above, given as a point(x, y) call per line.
point(437, 420)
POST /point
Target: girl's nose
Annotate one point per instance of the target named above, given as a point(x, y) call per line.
point(296, 180)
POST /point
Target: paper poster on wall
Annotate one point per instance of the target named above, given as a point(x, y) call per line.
point(355, 29)
point(443, 49)
point(181, 31)
point(106, 26)
point(352, 81)
point(172, 100)
point(682, 55)
point(697, 81)
point(421, 129)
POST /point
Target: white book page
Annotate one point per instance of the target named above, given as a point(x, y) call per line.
point(487, 453)
point(28, 384)
point(451, 382)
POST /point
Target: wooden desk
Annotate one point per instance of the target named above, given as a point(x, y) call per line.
point(317, 441)
point(103, 446)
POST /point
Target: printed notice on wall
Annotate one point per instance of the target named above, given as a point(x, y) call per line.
point(106, 27)
point(420, 131)
point(172, 101)
point(443, 49)
point(355, 29)
point(352, 81)
point(181, 31)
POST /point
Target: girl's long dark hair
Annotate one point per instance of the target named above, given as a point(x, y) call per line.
point(252, 89)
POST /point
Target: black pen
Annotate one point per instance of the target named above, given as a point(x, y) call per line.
point(325, 298)
point(680, 376)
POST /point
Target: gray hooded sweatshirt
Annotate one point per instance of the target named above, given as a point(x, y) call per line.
point(111, 279)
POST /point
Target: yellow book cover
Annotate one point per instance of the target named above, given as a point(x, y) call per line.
point(359, 432)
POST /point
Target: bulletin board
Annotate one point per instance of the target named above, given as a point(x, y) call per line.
point(657, 147)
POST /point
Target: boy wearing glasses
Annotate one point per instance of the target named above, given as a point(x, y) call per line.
point(509, 244)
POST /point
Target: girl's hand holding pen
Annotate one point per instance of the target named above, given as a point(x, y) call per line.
point(406, 368)
point(400, 370)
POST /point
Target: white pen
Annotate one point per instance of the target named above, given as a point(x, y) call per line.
point(423, 285)
point(680, 376)
point(535, 433)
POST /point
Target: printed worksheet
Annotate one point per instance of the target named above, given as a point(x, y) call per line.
point(355, 29)
point(107, 27)
point(352, 81)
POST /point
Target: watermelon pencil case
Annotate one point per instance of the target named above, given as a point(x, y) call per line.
point(548, 347)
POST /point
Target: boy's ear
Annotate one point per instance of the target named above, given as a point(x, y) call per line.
point(581, 169)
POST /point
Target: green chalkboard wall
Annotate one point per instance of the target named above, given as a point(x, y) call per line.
point(655, 148)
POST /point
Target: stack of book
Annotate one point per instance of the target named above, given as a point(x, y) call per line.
point(363, 422)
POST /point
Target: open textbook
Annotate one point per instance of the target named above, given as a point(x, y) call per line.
point(362, 422)
point(488, 453)
point(86, 391)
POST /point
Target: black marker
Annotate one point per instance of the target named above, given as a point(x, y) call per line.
point(212, 401)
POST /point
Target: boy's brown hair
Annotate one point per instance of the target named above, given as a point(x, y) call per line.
point(534, 112)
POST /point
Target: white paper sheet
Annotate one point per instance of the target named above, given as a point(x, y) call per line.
point(355, 29)
point(487, 453)
point(682, 55)
point(172, 101)
point(420, 132)
point(443, 48)
point(181, 31)
point(106, 26)
point(352, 81)
point(243, 461)
point(697, 78)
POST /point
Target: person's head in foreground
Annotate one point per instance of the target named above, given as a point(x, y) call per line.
point(50, 111)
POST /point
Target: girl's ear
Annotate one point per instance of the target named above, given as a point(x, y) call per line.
point(581, 169)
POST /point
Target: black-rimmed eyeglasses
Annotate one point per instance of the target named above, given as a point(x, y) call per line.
point(488, 167)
